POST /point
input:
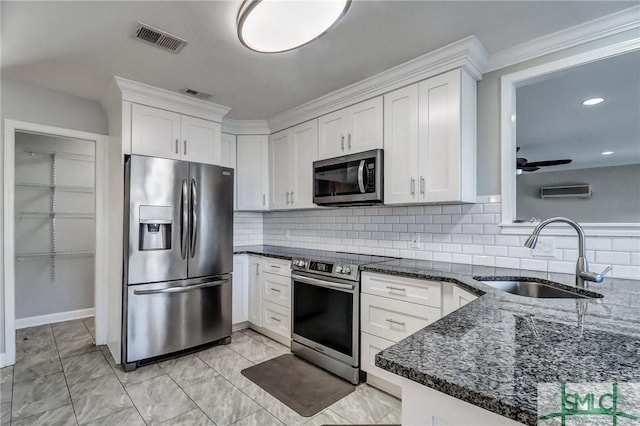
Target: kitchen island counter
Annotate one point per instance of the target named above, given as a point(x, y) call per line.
point(494, 351)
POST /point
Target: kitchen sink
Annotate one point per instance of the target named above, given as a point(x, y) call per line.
point(528, 288)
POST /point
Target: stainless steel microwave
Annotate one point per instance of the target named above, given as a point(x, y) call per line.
point(349, 180)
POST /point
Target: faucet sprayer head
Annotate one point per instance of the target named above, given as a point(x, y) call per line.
point(531, 241)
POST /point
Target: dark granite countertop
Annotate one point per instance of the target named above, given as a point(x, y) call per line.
point(276, 252)
point(494, 351)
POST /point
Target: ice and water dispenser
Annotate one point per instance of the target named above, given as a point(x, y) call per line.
point(155, 227)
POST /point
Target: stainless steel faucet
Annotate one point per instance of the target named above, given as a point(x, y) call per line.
point(582, 268)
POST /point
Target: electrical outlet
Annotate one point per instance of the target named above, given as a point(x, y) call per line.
point(415, 240)
point(544, 248)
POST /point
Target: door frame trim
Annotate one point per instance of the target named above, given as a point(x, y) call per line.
point(101, 205)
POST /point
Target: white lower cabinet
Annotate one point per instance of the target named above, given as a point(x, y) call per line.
point(394, 320)
point(255, 290)
point(276, 318)
point(391, 309)
point(269, 288)
point(240, 289)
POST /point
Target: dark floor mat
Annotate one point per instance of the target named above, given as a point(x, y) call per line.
point(301, 386)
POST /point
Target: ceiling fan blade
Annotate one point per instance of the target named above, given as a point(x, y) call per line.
point(528, 168)
point(520, 162)
point(548, 163)
point(517, 148)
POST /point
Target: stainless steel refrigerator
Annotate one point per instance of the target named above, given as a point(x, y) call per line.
point(178, 257)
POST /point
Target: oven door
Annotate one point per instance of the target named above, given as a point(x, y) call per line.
point(325, 316)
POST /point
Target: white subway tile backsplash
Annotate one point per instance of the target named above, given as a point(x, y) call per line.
point(533, 264)
point(613, 257)
point(467, 233)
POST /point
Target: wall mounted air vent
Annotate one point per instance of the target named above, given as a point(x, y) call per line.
point(159, 38)
point(568, 191)
point(197, 94)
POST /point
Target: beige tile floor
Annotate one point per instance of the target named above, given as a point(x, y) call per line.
point(62, 378)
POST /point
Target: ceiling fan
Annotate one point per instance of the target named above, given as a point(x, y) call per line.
point(522, 165)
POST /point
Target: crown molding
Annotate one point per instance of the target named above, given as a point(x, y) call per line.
point(145, 94)
point(615, 23)
point(245, 127)
point(467, 53)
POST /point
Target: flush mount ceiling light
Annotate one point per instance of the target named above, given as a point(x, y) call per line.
point(592, 101)
point(271, 26)
point(607, 153)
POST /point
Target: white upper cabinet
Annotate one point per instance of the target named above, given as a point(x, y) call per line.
point(349, 130)
point(160, 133)
point(252, 172)
point(292, 153)
point(228, 159)
point(200, 140)
point(430, 141)
point(155, 132)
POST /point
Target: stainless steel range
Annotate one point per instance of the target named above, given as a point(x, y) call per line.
point(326, 311)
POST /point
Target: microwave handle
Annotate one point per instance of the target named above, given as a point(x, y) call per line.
point(361, 176)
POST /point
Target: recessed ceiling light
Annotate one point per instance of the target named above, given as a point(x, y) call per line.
point(607, 153)
point(271, 26)
point(592, 101)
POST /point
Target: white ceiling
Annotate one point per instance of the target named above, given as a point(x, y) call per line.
point(551, 122)
point(76, 47)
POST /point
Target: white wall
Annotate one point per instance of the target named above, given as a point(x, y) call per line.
point(615, 198)
point(489, 110)
point(38, 105)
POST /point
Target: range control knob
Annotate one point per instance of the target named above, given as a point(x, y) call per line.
point(346, 270)
point(338, 269)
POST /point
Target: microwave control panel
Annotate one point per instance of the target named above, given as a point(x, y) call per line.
point(371, 178)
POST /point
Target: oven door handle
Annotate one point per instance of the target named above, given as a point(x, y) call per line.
point(361, 176)
point(322, 283)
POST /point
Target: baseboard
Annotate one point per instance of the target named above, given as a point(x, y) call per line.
point(240, 326)
point(270, 334)
point(2, 358)
point(384, 385)
point(53, 318)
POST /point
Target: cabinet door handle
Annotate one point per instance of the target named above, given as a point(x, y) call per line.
point(277, 290)
point(185, 147)
point(264, 199)
point(422, 186)
point(413, 186)
point(275, 319)
point(177, 146)
point(349, 141)
point(342, 142)
point(287, 197)
point(257, 269)
point(291, 197)
point(389, 320)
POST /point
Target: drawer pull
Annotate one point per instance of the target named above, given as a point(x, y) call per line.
point(277, 290)
point(276, 319)
point(274, 266)
point(395, 322)
point(392, 289)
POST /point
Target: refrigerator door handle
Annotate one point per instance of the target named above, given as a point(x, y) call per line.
point(194, 218)
point(180, 289)
point(184, 220)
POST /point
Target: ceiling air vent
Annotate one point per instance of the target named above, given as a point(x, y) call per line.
point(196, 94)
point(160, 38)
point(568, 191)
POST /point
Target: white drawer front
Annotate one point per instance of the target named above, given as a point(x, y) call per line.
point(276, 318)
point(276, 289)
point(371, 345)
point(392, 319)
point(276, 266)
point(424, 292)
